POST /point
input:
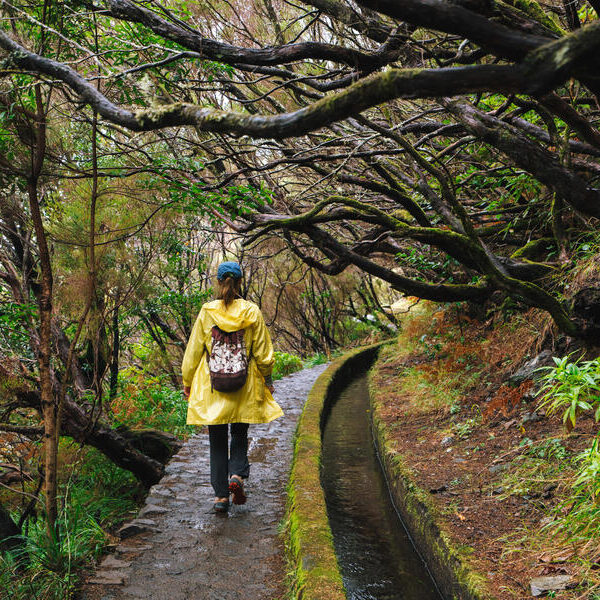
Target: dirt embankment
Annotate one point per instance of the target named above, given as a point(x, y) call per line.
point(498, 471)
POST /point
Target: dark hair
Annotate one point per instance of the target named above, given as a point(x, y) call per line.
point(228, 289)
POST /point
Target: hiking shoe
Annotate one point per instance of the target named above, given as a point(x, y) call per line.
point(221, 506)
point(236, 488)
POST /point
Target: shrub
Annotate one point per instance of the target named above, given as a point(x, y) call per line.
point(150, 402)
point(319, 358)
point(574, 387)
point(285, 364)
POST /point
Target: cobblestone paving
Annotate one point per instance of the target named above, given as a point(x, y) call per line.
point(178, 549)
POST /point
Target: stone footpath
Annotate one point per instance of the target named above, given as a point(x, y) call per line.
point(178, 549)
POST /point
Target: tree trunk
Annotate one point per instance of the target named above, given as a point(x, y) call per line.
point(49, 407)
point(114, 360)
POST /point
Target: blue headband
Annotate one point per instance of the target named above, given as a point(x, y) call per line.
point(229, 268)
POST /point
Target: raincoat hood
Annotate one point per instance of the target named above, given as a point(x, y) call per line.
point(238, 315)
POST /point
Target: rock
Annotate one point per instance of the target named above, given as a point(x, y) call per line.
point(161, 491)
point(108, 578)
point(145, 522)
point(529, 370)
point(447, 440)
point(550, 583)
point(530, 417)
point(123, 549)
point(159, 445)
point(498, 468)
point(136, 526)
point(110, 562)
point(152, 509)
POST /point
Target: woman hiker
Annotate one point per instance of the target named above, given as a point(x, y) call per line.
point(227, 379)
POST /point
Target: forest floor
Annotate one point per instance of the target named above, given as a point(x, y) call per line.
point(499, 470)
point(183, 550)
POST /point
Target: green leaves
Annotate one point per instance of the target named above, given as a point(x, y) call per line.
point(285, 364)
point(572, 387)
point(232, 201)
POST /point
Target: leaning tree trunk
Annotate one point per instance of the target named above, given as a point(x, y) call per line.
point(49, 406)
point(112, 443)
point(143, 453)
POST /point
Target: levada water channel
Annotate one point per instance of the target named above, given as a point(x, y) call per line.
point(376, 556)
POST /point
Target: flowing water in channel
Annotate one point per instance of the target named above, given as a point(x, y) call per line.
point(376, 556)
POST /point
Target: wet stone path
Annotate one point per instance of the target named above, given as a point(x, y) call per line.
point(178, 549)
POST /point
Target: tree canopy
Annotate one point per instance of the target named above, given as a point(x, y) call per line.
point(447, 148)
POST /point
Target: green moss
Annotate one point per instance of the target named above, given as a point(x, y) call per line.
point(534, 10)
point(533, 248)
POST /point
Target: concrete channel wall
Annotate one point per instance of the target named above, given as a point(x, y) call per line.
point(315, 570)
point(309, 543)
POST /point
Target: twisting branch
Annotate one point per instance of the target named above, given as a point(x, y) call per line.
point(546, 68)
point(529, 156)
point(213, 50)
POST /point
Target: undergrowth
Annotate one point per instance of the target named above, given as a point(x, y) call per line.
point(286, 364)
point(146, 402)
point(95, 497)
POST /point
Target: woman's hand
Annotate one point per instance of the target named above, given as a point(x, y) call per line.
point(271, 388)
point(186, 391)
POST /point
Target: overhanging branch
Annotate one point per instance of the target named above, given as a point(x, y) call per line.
point(546, 68)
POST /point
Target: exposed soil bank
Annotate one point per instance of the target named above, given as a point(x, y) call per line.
point(445, 559)
point(483, 475)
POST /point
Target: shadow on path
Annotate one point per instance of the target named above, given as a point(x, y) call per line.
point(177, 549)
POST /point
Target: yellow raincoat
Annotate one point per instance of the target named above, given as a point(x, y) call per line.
point(253, 403)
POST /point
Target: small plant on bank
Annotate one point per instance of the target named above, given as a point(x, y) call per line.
point(581, 511)
point(551, 448)
point(464, 429)
point(571, 387)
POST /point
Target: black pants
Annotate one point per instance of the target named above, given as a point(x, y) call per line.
point(225, 462)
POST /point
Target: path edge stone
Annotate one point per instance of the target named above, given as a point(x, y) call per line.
point(448, 563)
point(315, 573)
